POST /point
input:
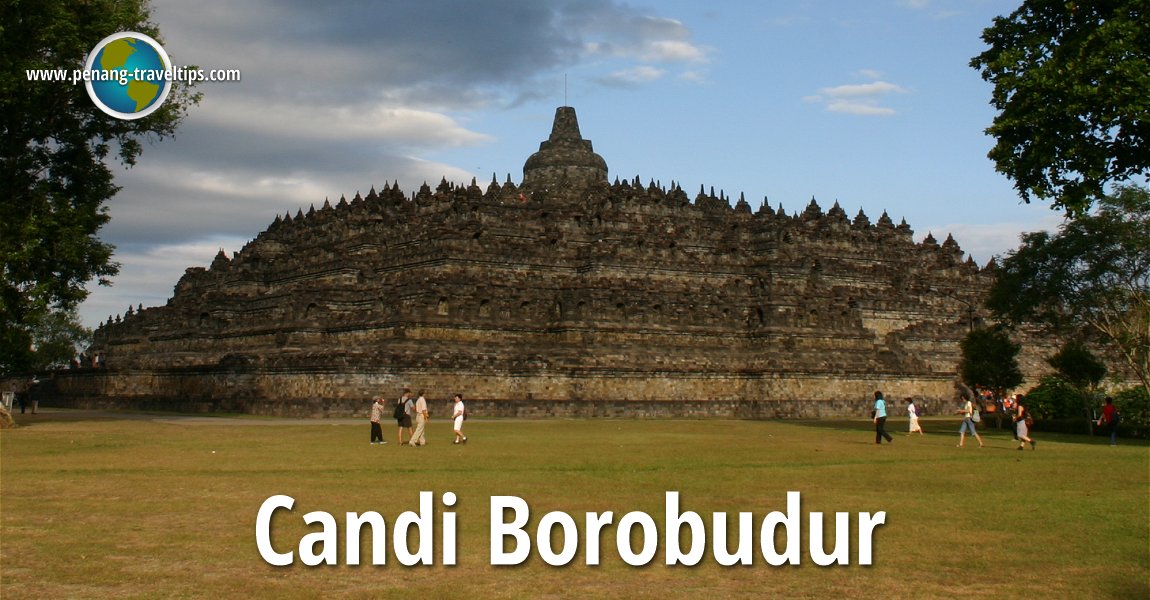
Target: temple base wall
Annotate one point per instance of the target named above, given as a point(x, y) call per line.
point(301, 393)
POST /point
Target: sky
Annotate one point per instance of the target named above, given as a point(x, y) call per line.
point(870, 103)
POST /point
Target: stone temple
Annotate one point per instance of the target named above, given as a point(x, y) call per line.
point(565, 294)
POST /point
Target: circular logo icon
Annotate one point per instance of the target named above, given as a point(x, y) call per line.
point(127, 75)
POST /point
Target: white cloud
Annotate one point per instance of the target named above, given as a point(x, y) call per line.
point(875, 88)
point(673, 51)
point(644, 38)
point(986, 240)
point(859, 98)
point(858, 108)
point(633, 76)
point(146, 277)
point(352, 123)
point(641, 42)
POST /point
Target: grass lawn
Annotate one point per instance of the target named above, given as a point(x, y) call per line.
point(107, 505)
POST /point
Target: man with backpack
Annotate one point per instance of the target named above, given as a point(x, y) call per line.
point(402, 414)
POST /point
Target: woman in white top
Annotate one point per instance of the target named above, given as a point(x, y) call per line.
point(912, 412)
point(968, 412)
point(457, 415)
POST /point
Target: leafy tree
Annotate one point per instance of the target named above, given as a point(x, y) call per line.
point(1054, 398)
point(1092, 277)
point(1072, 87)
point(54, 150)
point(990, 360)
point(57, 339)
point(1134, 404)
point(1078, 366)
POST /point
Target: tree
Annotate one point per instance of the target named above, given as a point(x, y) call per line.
point(1072, 87)
point(1078, 366)
point(57, 339)
point(54, 150)
point(1092, 277)
point(990, 360)
point(1054, 398)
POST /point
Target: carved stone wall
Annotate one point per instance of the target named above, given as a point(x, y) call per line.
point(564, 294)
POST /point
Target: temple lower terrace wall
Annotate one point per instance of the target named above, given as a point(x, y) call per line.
point(566, 294)
point(343, 394)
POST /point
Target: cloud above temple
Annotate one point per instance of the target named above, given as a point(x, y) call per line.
point(340, 96)
point(632, 77)
point(865, 99)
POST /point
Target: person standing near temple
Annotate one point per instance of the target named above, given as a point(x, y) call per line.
point(969, 414)
point(376, 417)
point(458, 413)
point(1109, 418)
point(419, 436)
point(1022, 422)
point(912, 414)
point(402, 414)
point(880, 420)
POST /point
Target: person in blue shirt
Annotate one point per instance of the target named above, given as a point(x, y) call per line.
point(880, 420)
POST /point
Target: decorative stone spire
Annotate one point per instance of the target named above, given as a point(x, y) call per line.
point(565, 160)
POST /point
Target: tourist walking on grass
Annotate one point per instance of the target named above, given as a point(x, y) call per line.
point(970, 416)
point(376, 417)
point(1022, 423)
point(912, 413)
point(402, 414)
point(419, 436)
point(880, 420)
point(1109, 418)
point(458, 414)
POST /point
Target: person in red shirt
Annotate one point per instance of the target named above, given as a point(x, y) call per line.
point(1109, 418)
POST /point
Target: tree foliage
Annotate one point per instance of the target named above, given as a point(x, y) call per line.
point(1055, 398)
point(57, 339)
point(1134, 403)
point(1092, 277)
point(1072, 87)
point(55, 146)
point(1078, 365)
point(990, 360)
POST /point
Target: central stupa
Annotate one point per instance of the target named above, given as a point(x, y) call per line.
point(565, 161)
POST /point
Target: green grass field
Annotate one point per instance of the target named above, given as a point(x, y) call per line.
point(133, 506)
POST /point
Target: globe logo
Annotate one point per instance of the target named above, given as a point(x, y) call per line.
point(128, 75)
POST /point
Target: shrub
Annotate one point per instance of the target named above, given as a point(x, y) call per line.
point(1055, 398)
point(1134, 406)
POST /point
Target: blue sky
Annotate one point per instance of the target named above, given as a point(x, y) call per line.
point(870, 103)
